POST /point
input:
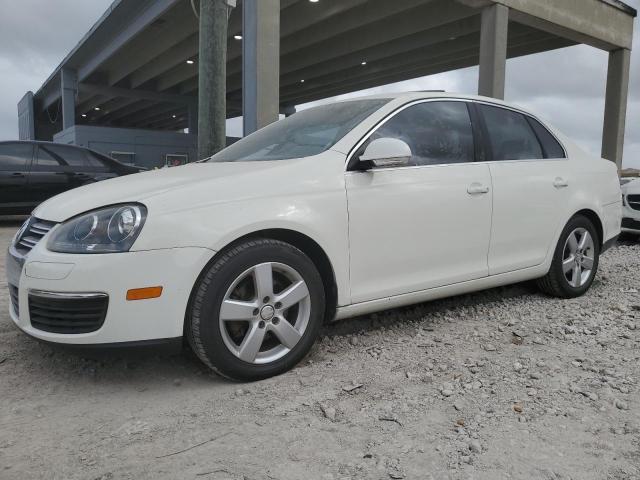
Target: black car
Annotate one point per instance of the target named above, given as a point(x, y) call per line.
point(31, 172)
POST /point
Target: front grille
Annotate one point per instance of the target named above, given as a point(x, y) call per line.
point(67, 313)
point(13, 295)
point(33, 233)
point(631, 224)
point(634, 201)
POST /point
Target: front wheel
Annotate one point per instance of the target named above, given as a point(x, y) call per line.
point(257, 310)
point(575, 261)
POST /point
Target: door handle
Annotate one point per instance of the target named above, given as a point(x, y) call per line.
point(477, 189)
point(560, 182)
point(17, 174)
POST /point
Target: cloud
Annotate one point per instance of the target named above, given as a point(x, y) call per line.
point(35, 35)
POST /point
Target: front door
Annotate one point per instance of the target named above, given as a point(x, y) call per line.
point(425, 225)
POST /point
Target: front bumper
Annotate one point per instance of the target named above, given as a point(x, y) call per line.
point(630, 220)
point(175, 269)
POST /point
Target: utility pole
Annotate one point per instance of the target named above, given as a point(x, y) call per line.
point(212, 76)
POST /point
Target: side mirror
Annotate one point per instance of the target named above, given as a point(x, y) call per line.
point(387, 152)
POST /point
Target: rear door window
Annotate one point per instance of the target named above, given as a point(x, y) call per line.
point(510, 135)
point(15, 157)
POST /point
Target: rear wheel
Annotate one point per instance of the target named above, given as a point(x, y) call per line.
point(575, 261)
point(257, 310)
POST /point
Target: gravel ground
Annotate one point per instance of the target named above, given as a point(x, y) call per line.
point(502, 384)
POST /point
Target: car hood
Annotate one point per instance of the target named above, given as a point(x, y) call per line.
point(225, 182)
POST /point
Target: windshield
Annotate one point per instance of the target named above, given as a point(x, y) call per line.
point(303, 134)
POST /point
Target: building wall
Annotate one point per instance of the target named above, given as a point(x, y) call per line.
point(150, 147)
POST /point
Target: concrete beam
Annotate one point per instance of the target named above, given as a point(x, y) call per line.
point(615, 109)
point(110, 107)
point(146, 17)
point(415, 24)
point(261, 63)
point(175, 56)
point(436, 53)
point(112, 92)
point(432, 66)
point(494, 26)
point(594, 22)
point(127, 111)
point(69, 90)
point(375, 26)
point(152, 43)
point(162, 113)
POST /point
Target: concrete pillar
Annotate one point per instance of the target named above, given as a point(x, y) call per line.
point(493, 50)
point(26, 118)
point(69, 90)
point(212, 77)
point(615, 107)
point(260, 63)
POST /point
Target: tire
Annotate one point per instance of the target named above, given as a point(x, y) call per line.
point(236, 286)
point(562, 282)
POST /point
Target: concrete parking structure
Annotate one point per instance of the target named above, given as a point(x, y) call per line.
point(138, 67)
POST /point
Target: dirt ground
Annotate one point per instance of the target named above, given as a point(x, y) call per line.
point(503, 384)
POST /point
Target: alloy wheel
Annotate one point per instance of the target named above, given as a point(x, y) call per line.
point(265, 313)
point(578, 257)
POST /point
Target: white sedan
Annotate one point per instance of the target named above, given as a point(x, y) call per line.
point(337, 211)
point(631, 206)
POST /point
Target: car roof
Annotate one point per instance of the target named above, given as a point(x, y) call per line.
point(427, 94)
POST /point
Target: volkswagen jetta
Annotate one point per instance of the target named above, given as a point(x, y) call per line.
point(336, 211)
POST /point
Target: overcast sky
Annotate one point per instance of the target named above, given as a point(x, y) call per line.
point(565, 87)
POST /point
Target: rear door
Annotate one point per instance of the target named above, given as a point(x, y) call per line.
point(531, 182)
point(15, 162)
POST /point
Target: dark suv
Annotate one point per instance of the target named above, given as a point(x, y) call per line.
point(31, 172)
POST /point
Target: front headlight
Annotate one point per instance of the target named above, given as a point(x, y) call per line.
point(107, 230)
